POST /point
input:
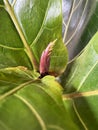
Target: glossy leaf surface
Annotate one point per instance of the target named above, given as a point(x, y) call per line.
point(76, 14)
point(81, 86)
point(26, 28)
point(27, 102)
point(90, 30)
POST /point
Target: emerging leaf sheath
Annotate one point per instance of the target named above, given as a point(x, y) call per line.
point(28, 50)
point(45, 59)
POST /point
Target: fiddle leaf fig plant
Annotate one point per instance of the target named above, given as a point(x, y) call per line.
point(40, 88)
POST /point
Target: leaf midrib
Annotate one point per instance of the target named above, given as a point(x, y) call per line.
point(28, 50)
point(11, 48)
point(65, 33)
point(75, 95)
point(86, 76)
point(4, 125)
point(79, 117)
point(8, 82)
point(41, 28)
point(15, 89)
point(40, 120)
point(77, 24)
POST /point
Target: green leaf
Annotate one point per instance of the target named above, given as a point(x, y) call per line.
point(81, 87)
point(27, 102)
point(59, 58)
point(11, 48)
point(90, 30)
point(12, 77)
point(76, 14)
point(83, 73)
point(26, 28)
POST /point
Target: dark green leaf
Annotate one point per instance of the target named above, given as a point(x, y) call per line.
point(11, 48)
point(27, 102)
point(26, 28)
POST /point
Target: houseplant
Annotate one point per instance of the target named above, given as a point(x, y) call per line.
point(28, 101)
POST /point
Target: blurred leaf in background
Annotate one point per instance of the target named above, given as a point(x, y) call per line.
point(76, 16)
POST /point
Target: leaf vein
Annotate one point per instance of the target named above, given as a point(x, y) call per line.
point(14, 90)
point(77, 25)
point(41, 28)
point(13, 3)
point(28, 50)
point(8, 82)
point(55, 127)
point(86, 76)
point(4, 125)
point(11, 48)
point(79, 117)
point(64, 23)
point(72, 76)
point(40, 120)
point(80, 95)
point(65, 33)
point(77, 5)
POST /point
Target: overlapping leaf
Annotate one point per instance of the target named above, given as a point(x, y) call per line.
point(26, 28)
point(76, 14)
point(27, 102)
point(31, 103)
point(83, 73)
point(90, 30)
point(81, 87)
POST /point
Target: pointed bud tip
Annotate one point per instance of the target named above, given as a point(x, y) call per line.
point(45, 58)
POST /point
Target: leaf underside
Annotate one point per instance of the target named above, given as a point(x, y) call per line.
point(76, 16)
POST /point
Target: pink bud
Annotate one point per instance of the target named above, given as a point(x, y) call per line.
point(45, 59)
